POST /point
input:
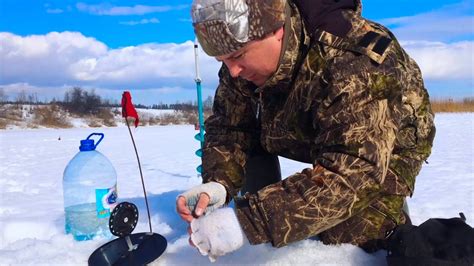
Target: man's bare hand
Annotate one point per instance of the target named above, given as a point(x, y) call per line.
point(184, 210)
point(200, 199)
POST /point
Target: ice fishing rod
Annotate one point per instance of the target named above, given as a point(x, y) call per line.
point(199, 136)
point(127, 106)
point(128, 248)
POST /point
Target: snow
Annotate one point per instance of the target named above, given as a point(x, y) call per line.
point(156, 112)
point(31, 200)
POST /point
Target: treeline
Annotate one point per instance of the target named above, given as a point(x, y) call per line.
point(207, 105)
point(21, 98)
point(81, 101)
point(465, 105)
point(87, 102)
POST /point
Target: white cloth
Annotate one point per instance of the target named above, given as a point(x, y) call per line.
point(217, 233)
point(216, 192)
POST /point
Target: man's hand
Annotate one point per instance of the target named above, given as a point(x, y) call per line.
point(200, 199)
point(185, 213)
point(217, 234)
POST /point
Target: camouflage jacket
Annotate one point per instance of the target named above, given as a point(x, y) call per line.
point(354, 107)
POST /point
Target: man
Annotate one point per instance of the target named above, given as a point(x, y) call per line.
point(315, 82)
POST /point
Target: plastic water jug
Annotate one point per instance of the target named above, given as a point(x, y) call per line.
point(90, 192)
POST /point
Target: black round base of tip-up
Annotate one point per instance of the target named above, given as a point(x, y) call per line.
point(128, 249)
point(142, 249)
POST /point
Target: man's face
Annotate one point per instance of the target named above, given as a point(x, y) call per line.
point(257, 60)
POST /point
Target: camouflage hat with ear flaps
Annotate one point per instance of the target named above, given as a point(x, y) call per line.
point(224, 26)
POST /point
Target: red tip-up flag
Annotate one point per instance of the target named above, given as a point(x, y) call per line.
point(128, 110)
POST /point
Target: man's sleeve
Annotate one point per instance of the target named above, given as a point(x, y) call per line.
point(229, 135)
point(357, 125)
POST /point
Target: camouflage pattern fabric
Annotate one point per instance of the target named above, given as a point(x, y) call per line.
point(359, 114)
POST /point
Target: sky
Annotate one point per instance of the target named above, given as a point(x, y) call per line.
point(48, 47)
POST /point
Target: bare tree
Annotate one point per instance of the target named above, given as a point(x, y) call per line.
point(31, 98)
point(3, 96)
point(80, 101)
point(21, 97)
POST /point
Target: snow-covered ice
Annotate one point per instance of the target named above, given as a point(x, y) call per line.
point(31, 199)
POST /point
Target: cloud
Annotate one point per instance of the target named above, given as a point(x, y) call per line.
point(38, 58)
point(59, 60)
point(442, 61)
point(51, 10)
point(110, 10)
point(71, 58)
point(54, 11)
point(449, 23)
point(140, 22)
point(141, 66)
point(45, 59)
point(44, 93)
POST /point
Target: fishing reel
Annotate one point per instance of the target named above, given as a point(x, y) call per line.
point(128, 249)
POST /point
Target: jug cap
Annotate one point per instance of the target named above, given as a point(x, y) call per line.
point(88, 144)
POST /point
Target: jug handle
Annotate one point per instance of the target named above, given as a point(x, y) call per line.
point(97, 134)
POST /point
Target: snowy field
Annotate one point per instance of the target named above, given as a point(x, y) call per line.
point(31, 199)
